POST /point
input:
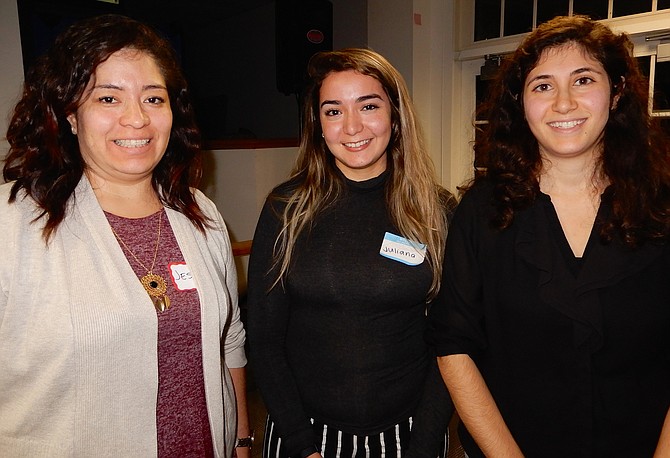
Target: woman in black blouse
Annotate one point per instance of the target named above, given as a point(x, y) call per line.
point(346, 255)
point(554, 318)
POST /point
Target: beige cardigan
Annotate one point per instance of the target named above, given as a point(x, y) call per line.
point(78, 361)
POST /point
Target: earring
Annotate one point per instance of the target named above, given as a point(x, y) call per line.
point(74, 131)
point(322, 136)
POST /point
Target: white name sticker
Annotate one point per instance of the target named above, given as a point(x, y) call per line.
point(402, 250)
point(181, 276)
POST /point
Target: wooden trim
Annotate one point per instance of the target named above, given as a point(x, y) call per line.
point(242, 248)
point(250, 143)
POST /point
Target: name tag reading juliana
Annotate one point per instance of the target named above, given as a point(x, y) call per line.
point(402, 250)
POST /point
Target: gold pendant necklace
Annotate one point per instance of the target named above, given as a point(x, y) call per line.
point(153, 284)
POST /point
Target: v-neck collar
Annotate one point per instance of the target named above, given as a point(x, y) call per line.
point(604, 264)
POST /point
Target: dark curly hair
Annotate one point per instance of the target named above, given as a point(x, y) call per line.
point(635, 158)
point(44, 158)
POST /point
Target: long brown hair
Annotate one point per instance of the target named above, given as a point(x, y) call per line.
point(636, 154)
point(415, 201)
point(44, 158)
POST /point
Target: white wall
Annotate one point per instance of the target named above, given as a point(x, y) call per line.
point(350, 23)
point(11, 74)
point(418, 39)
point(239, 180)
point(390, 33)
point(432, 61)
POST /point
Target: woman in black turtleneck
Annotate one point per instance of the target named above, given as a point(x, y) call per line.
point(346, 259)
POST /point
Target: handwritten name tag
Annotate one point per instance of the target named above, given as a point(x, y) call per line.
point(402, 250)
point(181, 276)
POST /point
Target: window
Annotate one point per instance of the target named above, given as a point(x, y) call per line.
point(630, 7)
point(657, 69)
point(482, 87)
point(661, 105)
point(548, 10)
point(487, 19)
point(518, 17)
point(502, 18)
point(595, 9)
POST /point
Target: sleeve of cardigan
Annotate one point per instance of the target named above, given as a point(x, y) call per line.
point(8, 218)
point(268, 316)
point(234, 336)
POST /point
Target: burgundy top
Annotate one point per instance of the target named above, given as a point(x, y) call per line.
point(181, 408)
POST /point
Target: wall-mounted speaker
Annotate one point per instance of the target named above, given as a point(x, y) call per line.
point(303, 27)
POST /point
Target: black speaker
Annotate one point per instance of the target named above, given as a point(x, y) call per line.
point(303, 27)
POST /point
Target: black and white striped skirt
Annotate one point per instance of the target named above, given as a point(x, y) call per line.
point(391, 443)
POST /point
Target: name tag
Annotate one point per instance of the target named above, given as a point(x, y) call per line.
point(402, 250)
point(181, 276)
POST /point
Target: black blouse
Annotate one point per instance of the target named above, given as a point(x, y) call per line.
point(576, 352)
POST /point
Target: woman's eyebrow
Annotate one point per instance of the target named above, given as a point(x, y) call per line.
point(360, 99)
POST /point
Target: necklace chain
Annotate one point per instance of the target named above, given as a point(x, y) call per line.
point(153, 284)
point(158, 239)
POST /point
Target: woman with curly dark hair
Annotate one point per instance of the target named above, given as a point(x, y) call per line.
point(117, 284)
point(553, 326)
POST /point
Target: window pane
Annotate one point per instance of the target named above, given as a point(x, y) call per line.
point(518, 16)
point(482, 87)
point(663, 4)
point(626, 7)
point(480, 159)
point(662, 86)
point(644, 63)
point(547, 9)
point(596, 9)
point(487, 19)
point(665, 124)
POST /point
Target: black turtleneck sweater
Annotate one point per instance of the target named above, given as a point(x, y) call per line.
point(342, 340)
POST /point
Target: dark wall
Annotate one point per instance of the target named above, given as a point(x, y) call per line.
point(232, 70)
point(227, 51)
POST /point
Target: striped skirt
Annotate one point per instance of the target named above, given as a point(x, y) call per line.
point(391, 443)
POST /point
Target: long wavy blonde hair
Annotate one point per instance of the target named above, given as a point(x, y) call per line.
point(417, 204)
